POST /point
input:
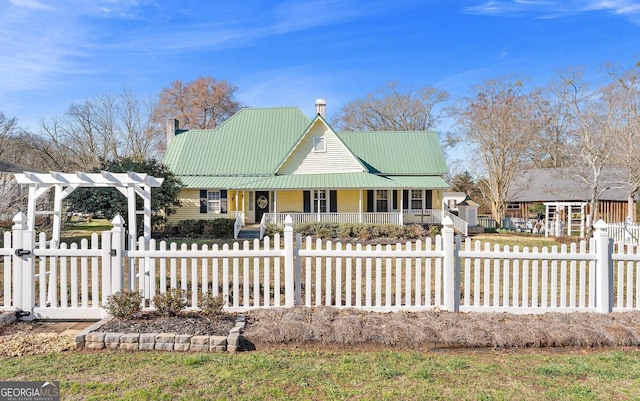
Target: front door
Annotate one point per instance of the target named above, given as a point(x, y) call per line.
point(262, 204)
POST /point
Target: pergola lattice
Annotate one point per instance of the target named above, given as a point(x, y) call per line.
point(129, 184)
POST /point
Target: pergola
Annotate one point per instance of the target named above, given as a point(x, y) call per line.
point(129, 184)
point(574, 219)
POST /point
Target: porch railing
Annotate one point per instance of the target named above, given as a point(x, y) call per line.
point(434, 216)
point(426, 216)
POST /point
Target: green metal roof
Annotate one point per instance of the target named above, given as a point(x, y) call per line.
point(208, 181)
point(245, 151)
point(397, 152)
point(251, 142)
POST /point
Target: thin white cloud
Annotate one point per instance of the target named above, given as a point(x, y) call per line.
point(30, 4)
point(556, 9)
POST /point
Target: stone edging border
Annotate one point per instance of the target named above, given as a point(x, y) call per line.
point(7, 318)
point(91, 339)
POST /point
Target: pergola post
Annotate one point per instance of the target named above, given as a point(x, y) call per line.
point(129, 184)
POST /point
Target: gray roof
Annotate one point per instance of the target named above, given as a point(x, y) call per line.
point(566, 184)
point(9, 167)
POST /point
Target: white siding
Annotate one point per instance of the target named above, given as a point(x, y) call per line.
point(336, 159)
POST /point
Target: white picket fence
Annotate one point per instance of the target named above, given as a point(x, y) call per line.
point(625, 232)
point(444, 273)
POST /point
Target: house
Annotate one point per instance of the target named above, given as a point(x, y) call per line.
point(566, 188)
point(264, 163)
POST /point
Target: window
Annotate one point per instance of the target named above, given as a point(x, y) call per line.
point(416, 199)
point(250, 203)
point(451, 203)
point(319, 201)
point(319, 144)
point(513, 206)
point(382, 200)
point(216, 202)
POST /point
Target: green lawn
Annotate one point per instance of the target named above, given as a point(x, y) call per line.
point(591, 374)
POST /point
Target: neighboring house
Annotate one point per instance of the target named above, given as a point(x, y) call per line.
point(450, 200)
point(262, 164)
point(565, 186)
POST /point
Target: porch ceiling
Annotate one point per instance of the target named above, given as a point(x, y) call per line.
point(410, 181)
point(344, 181)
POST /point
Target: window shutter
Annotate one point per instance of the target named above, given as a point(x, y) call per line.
point(306, 200)
point(369, 200)
point(203, 201)
point(333, 201)
point(429, 196)
point(405, 199)
point(394, 202)
point(223, 201)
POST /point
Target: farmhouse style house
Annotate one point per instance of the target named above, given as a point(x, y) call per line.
point(265, 163)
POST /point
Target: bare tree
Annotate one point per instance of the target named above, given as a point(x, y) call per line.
point(502, 121)
point(390, 109)
point(101, 128)
point(553, 147)
point(623, 93)
point(200, 104)
point(596, 129)
point(8, 131)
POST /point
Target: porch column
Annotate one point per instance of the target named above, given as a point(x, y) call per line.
point(360, 206)
point(275, 203)
point(401, 206)
point(546, 220)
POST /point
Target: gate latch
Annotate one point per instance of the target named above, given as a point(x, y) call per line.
point(22, 252)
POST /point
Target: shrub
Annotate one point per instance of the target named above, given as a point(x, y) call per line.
point(272, 229)
point(171, 303)
point(216, 228)
point(434, 230)
point(415, 231)
point(210, 305)
point(124, 304)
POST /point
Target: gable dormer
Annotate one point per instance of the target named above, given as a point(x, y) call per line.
point(320, 151)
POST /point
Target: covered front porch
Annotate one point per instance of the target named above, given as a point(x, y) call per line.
point(356, 198)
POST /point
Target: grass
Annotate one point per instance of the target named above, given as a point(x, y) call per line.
point(296, 374)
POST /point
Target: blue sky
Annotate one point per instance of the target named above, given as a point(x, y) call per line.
point(288, 53)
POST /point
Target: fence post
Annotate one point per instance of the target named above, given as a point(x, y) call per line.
point(604, 275)
point(289, 272)
point(298, 299)
point(117, 258)
point(19, 226)
point(449, 266)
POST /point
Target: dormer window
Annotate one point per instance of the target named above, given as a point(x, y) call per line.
point(319, 144)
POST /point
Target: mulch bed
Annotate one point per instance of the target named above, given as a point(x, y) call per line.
point(185, 323)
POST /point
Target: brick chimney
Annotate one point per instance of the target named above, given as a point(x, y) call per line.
point(172, 127)
point(321, 107)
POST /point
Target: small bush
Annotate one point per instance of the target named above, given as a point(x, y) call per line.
point(272, 229)
point(210, 305)
point(415, 231)
point(216, 228)
point(171, 303)
point(124, 304)
point(434, 230)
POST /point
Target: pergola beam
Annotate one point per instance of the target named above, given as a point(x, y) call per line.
point(129, 184)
